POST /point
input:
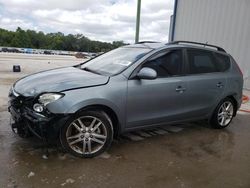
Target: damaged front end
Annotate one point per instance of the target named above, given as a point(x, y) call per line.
point(25, 121)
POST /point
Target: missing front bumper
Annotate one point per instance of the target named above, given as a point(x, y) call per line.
point(38, 124)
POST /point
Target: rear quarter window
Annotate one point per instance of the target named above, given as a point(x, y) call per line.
point(223, 62)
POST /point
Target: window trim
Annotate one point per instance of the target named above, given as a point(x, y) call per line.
point(139, 67)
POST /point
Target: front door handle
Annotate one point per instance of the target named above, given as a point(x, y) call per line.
point(219, 85)
point(180, 89)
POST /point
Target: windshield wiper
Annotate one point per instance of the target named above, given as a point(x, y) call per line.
point(91, 70)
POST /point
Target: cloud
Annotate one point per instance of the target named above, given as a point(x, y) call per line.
point(12, 24)
point(105, 20)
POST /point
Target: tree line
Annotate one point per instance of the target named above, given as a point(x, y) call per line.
point(54, 41)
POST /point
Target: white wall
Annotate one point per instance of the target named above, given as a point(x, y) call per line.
point(225, 23)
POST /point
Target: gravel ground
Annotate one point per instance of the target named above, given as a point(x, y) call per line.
point(188, 155)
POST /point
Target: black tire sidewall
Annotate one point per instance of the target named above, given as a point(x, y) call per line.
point(214, 120)
point(98, 114)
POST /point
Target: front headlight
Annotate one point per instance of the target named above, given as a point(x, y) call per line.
point(47, 98)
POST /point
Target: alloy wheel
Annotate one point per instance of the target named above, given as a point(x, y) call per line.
point(225, 113)
point(86, 135)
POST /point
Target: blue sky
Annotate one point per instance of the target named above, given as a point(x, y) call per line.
point(104, 20)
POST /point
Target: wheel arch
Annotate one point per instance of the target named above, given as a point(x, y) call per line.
point(235, 103)
point(230, 96)
point(108, 111)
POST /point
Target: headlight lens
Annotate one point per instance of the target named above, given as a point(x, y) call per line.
point(49, 97)
point(38, 107)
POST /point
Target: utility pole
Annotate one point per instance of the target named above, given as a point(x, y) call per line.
point(138, 21)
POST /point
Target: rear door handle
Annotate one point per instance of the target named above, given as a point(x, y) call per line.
point(180, 89)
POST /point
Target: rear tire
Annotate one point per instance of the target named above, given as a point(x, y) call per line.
point(87, 134)
point(223, 114)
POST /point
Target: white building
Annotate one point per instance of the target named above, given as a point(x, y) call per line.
point(225, 23)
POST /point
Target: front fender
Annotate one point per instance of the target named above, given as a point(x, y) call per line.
point(111, 96)
point(91, 102)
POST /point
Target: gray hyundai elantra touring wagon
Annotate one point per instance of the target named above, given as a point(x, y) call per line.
point(133, 87)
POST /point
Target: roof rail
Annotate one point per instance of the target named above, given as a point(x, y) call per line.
point(198, 43)
point(141, 42)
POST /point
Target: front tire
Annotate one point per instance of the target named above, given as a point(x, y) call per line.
point(87, 134)
point(223, 114)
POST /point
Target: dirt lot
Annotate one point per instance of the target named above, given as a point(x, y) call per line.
point(189, 155)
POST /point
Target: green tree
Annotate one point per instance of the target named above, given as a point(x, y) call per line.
point(21, 39)
point(54, 41)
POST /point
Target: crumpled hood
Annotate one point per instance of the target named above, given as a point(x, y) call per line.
point(58, 80)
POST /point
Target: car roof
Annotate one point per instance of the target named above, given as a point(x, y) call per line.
point(160, 45)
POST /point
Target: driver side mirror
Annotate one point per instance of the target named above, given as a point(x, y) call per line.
point(147, 73)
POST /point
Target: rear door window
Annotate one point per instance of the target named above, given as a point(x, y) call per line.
point(201, 61)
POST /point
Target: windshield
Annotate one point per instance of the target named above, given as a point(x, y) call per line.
point(114, 61)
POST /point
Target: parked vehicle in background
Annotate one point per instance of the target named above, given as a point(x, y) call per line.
point(12, 50)
point(47, 52)
point(28, 50)
point(81, 55)
point(22, 50)
point(133, 87)
point(4, 49)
